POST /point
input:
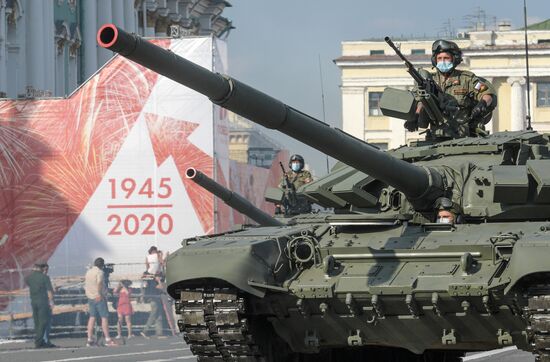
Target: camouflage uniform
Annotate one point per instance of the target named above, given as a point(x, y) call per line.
point(296, 178)
point(465, 90)
point(295, 204)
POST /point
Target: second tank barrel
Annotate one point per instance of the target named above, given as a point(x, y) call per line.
point(232, 199)
point(412, 180)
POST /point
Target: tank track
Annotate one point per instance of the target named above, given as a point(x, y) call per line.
point(539, 326)
point(214, 325)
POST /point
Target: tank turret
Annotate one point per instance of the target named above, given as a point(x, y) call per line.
point(231, 198)
point(421, 185)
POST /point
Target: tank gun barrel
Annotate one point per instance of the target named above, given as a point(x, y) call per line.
point(414, 181)
point(231, 198)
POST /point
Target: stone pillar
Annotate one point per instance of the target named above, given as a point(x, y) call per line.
point(353, 111)
point(118, 14)
point(3, 49)
point(50, 48)
point(89, 30)
point(151, 23)
point(130, 16)
point(490, 126)
point(34, 34)
point(517, 100)
point(533, 99)
point(104, 16)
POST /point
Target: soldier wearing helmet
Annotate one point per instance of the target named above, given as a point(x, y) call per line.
point(468, 99)
point(447, 211)
point(297, 175)
point(290, 182)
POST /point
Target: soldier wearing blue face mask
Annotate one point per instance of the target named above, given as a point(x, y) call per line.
point(297, 175)
point(467, 99)
point(291, 181)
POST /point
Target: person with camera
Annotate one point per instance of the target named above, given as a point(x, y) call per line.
point(96, 291)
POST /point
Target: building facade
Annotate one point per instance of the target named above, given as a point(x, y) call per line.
point(498, 56)
point(48, 47)
point(248, 145)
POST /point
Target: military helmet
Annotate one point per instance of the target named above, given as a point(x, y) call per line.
point(443, 203)
point(445, 46)
point(298, 158)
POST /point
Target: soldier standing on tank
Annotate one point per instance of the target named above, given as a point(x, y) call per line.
point(41, 293)
point(468, 98)
point(291, 181)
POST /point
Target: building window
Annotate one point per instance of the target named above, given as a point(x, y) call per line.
point(377, 52)
point(381, 145)
point(418, 51)
point(374, 100)
point(543, 94)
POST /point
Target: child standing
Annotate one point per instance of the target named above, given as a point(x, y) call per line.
point(124, 307)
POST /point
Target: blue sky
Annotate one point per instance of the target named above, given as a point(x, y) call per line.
point(277, 44)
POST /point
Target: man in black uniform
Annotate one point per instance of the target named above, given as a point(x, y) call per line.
point(41, 293)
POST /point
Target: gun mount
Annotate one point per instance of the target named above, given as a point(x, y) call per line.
point(417, 183)
point(231, 198)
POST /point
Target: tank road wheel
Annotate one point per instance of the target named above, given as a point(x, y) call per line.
point(214, 325)
point(538, 310)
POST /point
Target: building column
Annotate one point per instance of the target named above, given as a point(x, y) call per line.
point(3, 50)
point(89, 44)
point(517, 100)
point(104, 16)
point(35, 45)
point(489, 127)
point(118, 14)
point(353, 111)
point(130, 16)
point(50, 47)
point(532, 100)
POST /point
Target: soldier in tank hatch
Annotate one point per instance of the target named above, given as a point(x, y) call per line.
point(297, 175)
point(448, 212)
point(291, 181)
point(467, 99)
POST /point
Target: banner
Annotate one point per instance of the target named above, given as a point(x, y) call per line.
point(101, 173)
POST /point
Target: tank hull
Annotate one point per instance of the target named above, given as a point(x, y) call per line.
point(423, 289)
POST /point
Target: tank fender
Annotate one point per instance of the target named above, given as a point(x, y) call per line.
point(528, 257)
point(235, 264)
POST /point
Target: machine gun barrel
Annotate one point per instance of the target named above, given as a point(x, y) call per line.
point(426, 85)
point(414, 181)
point(410, 68)
point(232, 199)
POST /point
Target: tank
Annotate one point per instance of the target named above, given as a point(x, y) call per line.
point(378, 279)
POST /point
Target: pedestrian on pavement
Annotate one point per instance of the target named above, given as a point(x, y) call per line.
point(124, 307)
point(153, 290)
point(45, 270)
point(96, 292)
point(41, 293)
